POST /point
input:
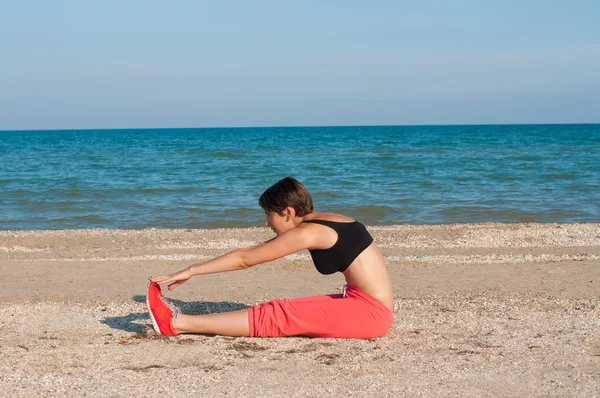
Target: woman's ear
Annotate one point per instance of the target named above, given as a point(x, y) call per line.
point(289, 213)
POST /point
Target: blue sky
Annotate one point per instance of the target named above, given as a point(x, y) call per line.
point(127, 64)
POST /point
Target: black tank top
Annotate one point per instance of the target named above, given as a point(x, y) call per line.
point(353, 239)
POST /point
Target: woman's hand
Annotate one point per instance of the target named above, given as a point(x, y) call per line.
point(176, 279)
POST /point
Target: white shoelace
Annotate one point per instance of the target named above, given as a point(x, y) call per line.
point(174, 309)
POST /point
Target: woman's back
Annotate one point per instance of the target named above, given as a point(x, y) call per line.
point(367, 271)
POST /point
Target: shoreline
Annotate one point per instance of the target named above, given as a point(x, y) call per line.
point(480, 310)
point(395, 225)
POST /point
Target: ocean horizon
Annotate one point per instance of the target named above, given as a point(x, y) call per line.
point(296, 126)
point(381, 175)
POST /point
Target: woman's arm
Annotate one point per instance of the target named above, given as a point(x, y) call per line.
point(289, 242)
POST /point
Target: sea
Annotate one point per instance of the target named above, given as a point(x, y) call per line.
point(380, 175)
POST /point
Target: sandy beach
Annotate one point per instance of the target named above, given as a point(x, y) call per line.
point(504, 310)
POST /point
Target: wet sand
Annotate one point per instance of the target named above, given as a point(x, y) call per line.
point(481, 310)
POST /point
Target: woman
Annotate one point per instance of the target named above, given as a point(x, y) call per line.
point(336, 244)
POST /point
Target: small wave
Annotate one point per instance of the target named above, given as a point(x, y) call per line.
point(21, 192)
point(326, 195)
point(525, 158)
point(474, 214)
point(166, 190)
point(222, 154)
point(372, 211)
point(71, 193)
point(408, 167)
point(78, 222)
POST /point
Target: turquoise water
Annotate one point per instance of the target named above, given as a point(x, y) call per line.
point(209, 178)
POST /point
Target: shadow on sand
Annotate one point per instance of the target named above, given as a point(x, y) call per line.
point(128, 323)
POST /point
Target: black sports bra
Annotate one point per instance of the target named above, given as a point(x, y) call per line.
point(353, 239)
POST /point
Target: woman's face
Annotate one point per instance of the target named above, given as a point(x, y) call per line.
point(276, 222)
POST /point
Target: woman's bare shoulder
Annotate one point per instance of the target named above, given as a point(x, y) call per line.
point(328, 217)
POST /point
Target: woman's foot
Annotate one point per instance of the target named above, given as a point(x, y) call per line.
point(162, 312)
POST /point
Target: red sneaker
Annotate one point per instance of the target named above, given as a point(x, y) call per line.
point(161, 310)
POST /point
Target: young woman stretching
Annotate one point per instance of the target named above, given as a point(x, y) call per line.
point(336, 244)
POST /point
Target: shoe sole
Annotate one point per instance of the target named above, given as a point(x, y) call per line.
point(151, 314)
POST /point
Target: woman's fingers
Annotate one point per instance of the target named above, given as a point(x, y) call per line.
point(162, 279)
point(173, 279)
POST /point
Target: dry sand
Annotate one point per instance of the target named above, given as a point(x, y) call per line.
point(481, 310)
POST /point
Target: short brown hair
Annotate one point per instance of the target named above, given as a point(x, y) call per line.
point(287, 192)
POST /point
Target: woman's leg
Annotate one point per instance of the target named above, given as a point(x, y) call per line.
point(356, 316)
point(233, 323)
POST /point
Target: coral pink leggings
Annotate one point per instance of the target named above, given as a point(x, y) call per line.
point(354, 315)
